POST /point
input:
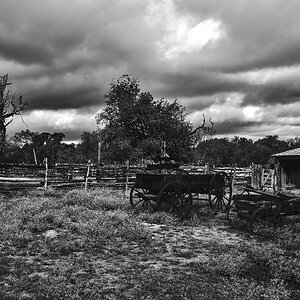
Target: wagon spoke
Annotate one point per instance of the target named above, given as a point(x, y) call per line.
point(138, 198)
point(175, 197)
point(213, 200)
point(220, 186)
point(223, 202)
point(226, 198)
point(140, 201)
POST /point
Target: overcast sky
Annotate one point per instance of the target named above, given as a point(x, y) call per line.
point(237, 62)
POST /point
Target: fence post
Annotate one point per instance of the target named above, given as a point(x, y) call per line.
point(252, 174)
point(272, 180)
point(262, 179)
point(127, 175)
point(46, 174)
point(163, 147)
point(233, 174)
point(87, 174)
point(34, 156)
point(99, 153)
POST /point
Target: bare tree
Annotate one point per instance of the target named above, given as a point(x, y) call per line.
point(202, 132)
point(11, 104)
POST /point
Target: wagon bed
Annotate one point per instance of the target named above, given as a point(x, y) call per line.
point(155, 182)
point(174, 189)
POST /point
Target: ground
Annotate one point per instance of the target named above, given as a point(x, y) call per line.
point(77, 245)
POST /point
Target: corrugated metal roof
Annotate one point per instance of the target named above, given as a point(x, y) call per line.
point(293, 152)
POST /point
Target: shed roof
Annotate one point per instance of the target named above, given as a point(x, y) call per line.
point(293, 152)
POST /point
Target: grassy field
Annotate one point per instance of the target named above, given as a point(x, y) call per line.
point(77, 245)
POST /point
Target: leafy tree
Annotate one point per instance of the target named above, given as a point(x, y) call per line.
point(33, 147)
point(239, 151)
point(243, 151)
point(19, 148)
point(87, 148)
point(135, 124)
point(294, 142)
point(267, 146)
point(215, 152)
point(67, 154)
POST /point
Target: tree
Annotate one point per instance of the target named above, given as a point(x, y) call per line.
point(215, 152)
point(294, 142)
point(47, 145)
point(24, 141)
point(267, 146)
point(33, 147)
point(135, 124)
point(87, 148)
point(10, 105)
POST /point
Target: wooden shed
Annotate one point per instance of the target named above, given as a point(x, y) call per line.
point(289, 168)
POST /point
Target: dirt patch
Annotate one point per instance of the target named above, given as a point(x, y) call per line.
point(184, 245)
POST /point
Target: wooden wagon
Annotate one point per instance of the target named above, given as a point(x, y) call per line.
point(170, 188)
point(253, 207)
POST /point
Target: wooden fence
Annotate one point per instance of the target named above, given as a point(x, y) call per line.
point(121, 176)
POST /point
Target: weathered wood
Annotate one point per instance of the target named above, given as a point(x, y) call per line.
point(248, 189)
point(46, 174)
point(87, 175)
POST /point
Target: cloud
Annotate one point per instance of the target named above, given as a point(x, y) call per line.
point(275, 86)
point(193, 84)
point(229, 127)
point(259, 34)
point(64, 95)
point(71, 122)
point(227, 61)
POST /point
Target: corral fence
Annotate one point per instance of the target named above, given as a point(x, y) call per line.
point(116, 176)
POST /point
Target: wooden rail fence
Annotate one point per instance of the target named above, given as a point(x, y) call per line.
point(118, 176)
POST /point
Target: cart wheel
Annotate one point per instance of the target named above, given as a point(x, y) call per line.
point(220, 191)
point(140, 199)
point(238, 219)
point(264, 217)
point(175, 197)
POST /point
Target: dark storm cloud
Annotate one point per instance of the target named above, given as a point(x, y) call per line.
point(273, 93)
point(62, 54)
point(191, 85)
point(233, 126)
point(34, 33)
point(258, 34)
point(287, 55)
point(61, 98)
point(94, 41)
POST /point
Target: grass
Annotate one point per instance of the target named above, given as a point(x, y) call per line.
point(78, 245)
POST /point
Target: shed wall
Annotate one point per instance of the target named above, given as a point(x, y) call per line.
point(290, 172)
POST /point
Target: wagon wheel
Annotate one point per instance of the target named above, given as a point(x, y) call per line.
point(140, 198)
point(238, 219)
point(263, 217)
point(175, 197)
point(220, 191)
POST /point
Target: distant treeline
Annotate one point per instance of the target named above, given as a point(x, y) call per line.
point(34, 147)
point(241, 151)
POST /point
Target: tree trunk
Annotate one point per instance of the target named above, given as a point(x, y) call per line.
point(2, 138)
point(3, 83)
